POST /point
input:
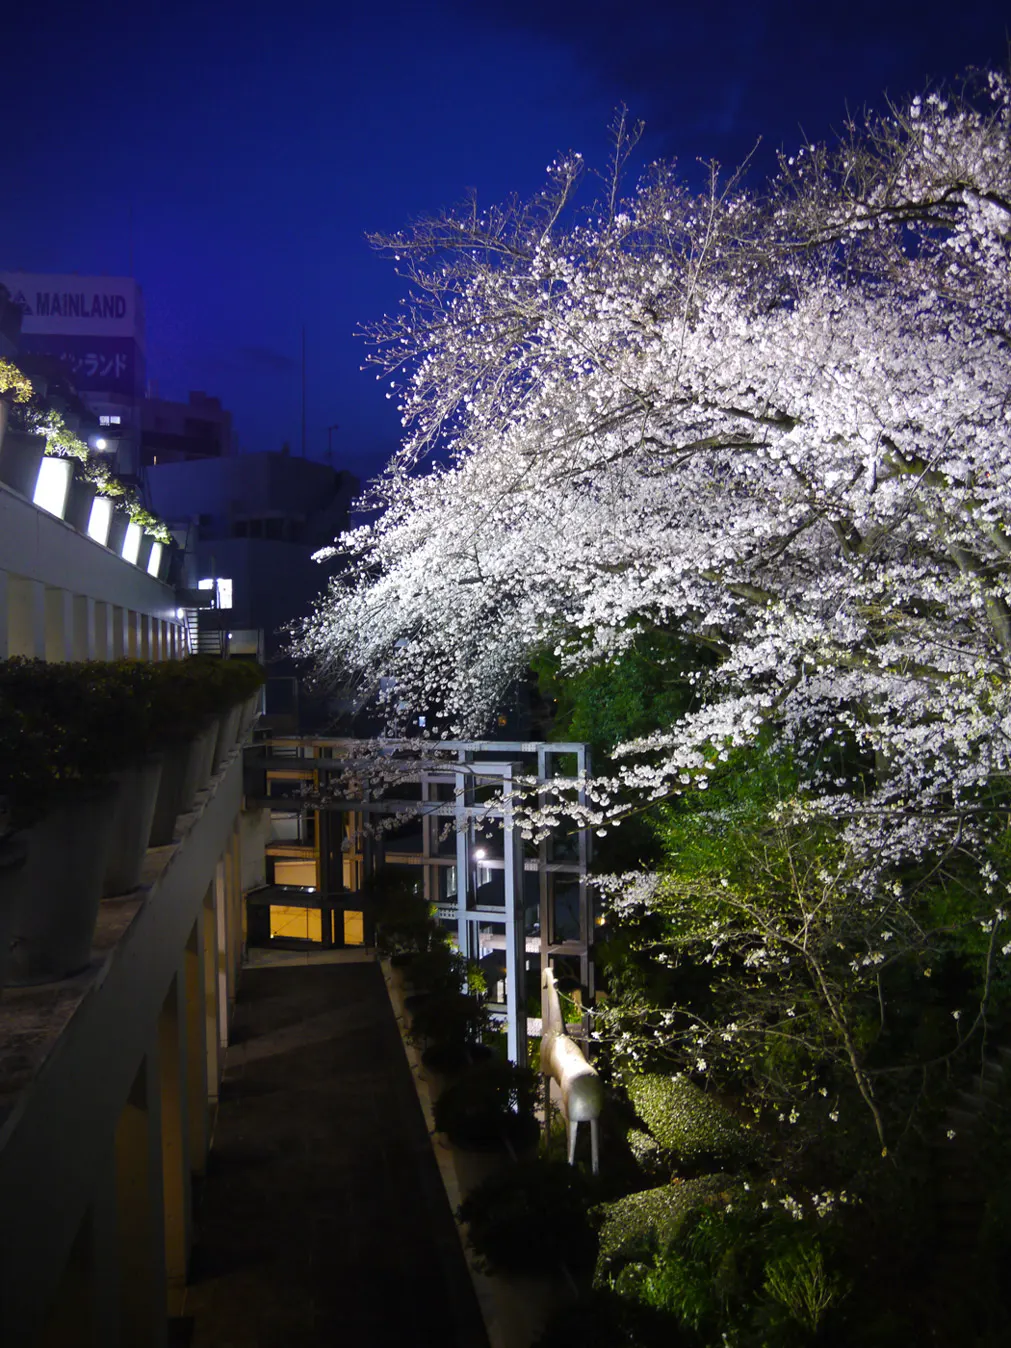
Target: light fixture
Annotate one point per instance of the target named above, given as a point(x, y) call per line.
point(480, 854)
point(101, 442)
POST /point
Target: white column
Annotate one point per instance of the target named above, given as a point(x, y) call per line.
point(26, 617)
point(84, 627)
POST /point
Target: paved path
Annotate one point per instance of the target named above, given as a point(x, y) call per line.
point(323, 1219)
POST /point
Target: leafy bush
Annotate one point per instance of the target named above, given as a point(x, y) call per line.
point(637, 1226)
point(737, 1274)
point(686, 1122)
point(491, 1106)
point(449, 1018)
point(530, 1217)
point(645, 1151)
point(438, 970)
point(602, 1319)
point(64, 727)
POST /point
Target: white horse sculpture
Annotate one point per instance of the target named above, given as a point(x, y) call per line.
point(562, 1058)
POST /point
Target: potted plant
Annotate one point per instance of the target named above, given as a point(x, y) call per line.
point(61, 799)
point(20, 459)
point(80, 500)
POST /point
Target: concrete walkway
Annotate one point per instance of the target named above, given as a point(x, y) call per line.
point(323, 1219)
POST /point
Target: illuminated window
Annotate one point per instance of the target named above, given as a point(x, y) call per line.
point(300, 924)
point(222, 590)
point(131, 544)
point(100, 519)
point(52, 485)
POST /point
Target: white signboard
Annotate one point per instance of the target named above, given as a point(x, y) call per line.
point(77, 306)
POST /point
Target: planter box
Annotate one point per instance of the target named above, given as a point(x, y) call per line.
point(185, 771)
point(228, 727)
point(61, 888)
point(137, 795)
point(79, 502)
point(117, 530)
point(20, 458)
point(145, 551)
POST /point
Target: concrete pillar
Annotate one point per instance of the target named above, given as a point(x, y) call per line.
point(26, 617)
point(238, 942)
point(224, 943)
point(197, 1078)
point(132, 623)
point(103, 630)
point(139, 1201)
point(175, 1163)
point(59, 624)
point(84, 627)
point(212, 1036)
point(144, 635)
point(119, 633)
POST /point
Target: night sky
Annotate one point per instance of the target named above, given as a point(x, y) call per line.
point(233, 156)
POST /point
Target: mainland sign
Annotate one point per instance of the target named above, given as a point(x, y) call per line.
point(77, 306)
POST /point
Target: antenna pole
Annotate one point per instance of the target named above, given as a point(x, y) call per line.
point(303, 390)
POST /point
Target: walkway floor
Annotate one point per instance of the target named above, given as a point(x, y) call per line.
point(323, 1218)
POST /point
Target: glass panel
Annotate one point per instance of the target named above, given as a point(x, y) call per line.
point(298, 924)
point(294, 872)
point(565, 910)
point(354, 928)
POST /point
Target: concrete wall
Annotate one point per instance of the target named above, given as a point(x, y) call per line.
point(65, 597)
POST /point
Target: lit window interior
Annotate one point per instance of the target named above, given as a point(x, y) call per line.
point(222, 588)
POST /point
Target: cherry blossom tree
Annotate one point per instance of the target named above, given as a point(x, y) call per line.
point(774, 422)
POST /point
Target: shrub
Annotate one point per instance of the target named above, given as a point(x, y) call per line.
point(491, 1106)
point(438, 971)
point(686, 1122)
point(737, 1274)
point(645, 1151)
point(448, 1018)
point(604, 1320)
point(530, 1218)
point(637, 1226)
point(65, 727)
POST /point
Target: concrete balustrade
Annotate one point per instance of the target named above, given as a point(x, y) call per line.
point(64, 596)
point(108, 1083)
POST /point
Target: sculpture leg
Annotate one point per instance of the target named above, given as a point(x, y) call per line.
point(571, 1125)
point(595, 1144)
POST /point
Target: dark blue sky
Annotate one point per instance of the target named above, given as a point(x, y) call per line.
point(252, 145)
